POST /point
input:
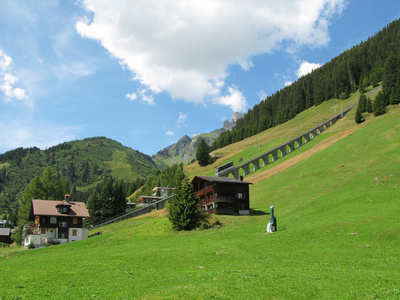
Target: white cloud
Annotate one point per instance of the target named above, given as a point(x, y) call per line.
point(306, 68)
point(262, 95)
point(170, 132)
point(235, 100)
point(181, 122)
point(131, 97)
point(147, 98)
point(185, 46)
point(8, 80)
point(287, 83)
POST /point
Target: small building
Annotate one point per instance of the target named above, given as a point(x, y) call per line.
point(162, 191)
point(58, 221)
point(5, 235)
point(222, 195)
point(147, 199)
point(130, 204)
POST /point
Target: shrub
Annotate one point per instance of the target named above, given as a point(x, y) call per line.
point(52, 242)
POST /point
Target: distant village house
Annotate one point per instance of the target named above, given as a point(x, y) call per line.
point(5, 235)
point(162, 191)
point(147, 199)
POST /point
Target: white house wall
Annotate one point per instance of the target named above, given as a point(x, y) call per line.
point(81, 234)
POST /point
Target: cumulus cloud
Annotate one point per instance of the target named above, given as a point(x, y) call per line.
point(170, 132)
point(8, 80)
point(131, 96)
point(185, 46)
point(234, 99)
point(181, 122)
point(306, 67)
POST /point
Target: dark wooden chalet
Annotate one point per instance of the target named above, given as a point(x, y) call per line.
point(60, 221)
point(222, 195)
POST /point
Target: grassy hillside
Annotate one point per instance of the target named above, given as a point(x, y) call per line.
point(338, 231)
point(271, 138)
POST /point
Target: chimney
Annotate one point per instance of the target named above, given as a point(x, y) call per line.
point(67, 198)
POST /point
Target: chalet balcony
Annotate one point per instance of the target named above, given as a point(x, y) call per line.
point(206, 190)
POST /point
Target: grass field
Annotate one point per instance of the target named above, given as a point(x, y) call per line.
point(338, 237)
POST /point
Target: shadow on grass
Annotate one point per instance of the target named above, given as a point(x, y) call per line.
point(255, 212)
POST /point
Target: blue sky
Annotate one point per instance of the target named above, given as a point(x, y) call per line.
point(147, 72)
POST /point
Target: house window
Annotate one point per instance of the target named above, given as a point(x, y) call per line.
point(63, 224)
point(74, 221)
point(65, 210)
point(42, 230)
point(74, 232)
point(241, 196)
point(53, 220)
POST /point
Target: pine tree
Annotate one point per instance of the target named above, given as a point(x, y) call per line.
point(183, 210)
point(119, 200)
point(95, 208)
point(359, 117)
point(369, 105)
point(379, 106)
point(202, 155)
point(107, 194)
point(362, 103)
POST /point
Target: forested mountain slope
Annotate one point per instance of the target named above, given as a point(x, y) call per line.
point(356, 68)
point(83, 162)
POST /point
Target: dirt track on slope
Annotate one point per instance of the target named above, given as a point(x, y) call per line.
point(298, 158)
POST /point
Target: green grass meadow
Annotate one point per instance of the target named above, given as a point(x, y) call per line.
point(338, 238)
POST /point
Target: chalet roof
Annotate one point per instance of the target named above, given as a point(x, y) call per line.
point(49, 208)
point(63, 203)
point(5, 231)
point(221, 179)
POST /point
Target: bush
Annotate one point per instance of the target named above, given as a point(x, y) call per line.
point(52, 242)
point(31, 246)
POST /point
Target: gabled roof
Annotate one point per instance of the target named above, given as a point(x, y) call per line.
point(49, 208)
point(63, 203)
point(221, 179)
